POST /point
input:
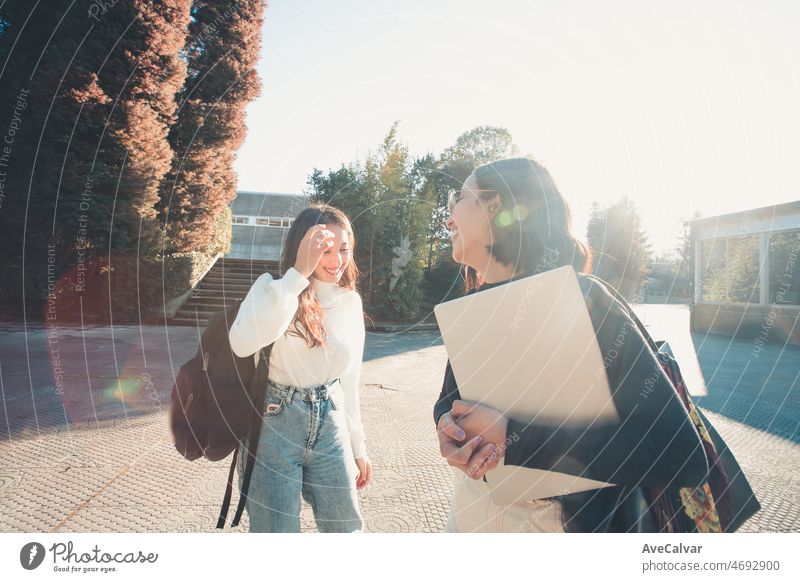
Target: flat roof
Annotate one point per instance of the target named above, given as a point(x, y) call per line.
point(783, 209)
point(271, 193)
point(268, 204)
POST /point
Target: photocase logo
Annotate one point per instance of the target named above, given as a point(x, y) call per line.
point(32, 555)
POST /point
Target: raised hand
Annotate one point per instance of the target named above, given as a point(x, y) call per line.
point(315, 242)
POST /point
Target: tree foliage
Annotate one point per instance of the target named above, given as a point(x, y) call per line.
point(98, 105)
point(221, 52)
point(398, 206)
point(622, 255)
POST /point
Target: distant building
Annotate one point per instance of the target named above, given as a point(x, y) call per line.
point(261, 221)
point(747, 274)
point(664, 284)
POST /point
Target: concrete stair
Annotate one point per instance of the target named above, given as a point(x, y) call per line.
point(227, 281)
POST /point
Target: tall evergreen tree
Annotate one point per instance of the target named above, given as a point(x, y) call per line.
point(92, 148)
point(622, 254)
point(221, 51)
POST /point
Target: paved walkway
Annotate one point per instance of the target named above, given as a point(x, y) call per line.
point(94, 454)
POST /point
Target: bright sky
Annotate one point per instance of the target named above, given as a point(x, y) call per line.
point(682, 105)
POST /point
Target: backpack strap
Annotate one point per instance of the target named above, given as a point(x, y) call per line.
point(226, 502)
point(258, 388)
point(252, 446)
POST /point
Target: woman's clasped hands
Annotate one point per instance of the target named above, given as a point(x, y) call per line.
point(472, 437)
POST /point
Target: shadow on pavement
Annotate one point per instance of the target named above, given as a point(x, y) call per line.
point(85, 378)
point(758, 388)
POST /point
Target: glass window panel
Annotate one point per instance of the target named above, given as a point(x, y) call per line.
point(712, 265)
point(730, 269)
point(784, 268)
point(742, 266)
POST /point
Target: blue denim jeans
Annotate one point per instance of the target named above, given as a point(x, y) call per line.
point(304, 449)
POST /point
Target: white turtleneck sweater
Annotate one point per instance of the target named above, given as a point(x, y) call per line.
point(265, 316)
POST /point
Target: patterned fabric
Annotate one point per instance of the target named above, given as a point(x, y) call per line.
point(686, 509)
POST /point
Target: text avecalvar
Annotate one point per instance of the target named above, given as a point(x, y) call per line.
point(671, 549)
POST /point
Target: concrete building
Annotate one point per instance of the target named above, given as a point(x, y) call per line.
point(747, 274)
point(261, 221)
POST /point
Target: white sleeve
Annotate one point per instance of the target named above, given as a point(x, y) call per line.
point(266, 312)
point(350, 381)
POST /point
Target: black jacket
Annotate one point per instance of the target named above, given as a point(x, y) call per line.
point(654, 444)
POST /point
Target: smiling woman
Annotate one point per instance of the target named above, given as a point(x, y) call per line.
point(331, 263)
point(312, 442)
point(509, 221)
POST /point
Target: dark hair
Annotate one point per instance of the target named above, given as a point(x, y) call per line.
point(533, 227)
point(309, 321)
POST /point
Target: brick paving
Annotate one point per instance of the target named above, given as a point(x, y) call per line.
point(98, 458)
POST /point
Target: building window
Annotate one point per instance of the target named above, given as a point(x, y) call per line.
point(784, 268)
point(273, 221)
point(729, 268)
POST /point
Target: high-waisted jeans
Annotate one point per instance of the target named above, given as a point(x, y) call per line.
point(304, 449)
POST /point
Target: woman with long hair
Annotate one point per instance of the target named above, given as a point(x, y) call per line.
point(312, 441)
point(510, 221)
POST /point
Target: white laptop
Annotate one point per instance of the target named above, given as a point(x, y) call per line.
point(528, 349)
